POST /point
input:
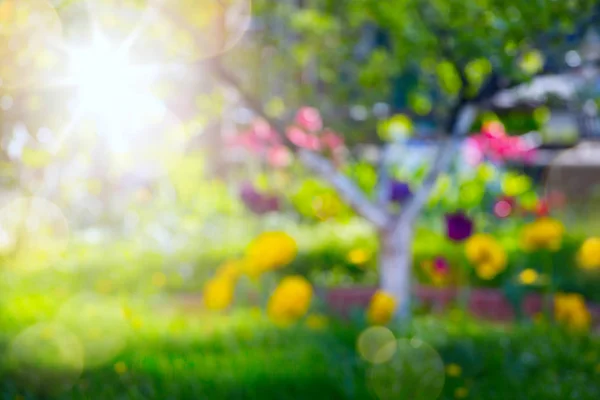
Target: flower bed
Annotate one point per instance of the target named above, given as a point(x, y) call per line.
point(486, 303)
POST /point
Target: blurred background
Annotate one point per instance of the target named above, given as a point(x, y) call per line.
point(178, 176)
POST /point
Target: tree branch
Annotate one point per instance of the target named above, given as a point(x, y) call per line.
point(345, 187)
point(442, 160)
point(319, 165)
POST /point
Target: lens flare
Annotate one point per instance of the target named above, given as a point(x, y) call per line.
point(99, 323)
point(191, 30)
point(415, 372)
point(33, 226)
point(46, 358)
point(376, 344)
point(28, 31)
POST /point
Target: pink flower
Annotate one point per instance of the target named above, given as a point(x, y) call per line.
point(302, 139)
point(331, 140)
point(473, 150)
point(494, 144)
point(279, 156)
point(309, 118)
point(247, 140)
point(493, 129)
point(504, 207)
point(441, 265)
point(264, 133)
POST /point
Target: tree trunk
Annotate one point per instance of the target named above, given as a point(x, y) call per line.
point(395, 266)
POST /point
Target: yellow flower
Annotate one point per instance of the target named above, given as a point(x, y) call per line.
point(543, 233)
point(453, 370)
point(290, 300)
point(316, 322)
point(461, 392)
point(486, 255)
point(271, 250)
point(358, 256)
point(381, 309)
point(218, 294)
point(570, 310)
point(589, 253)
point(231, 270)
point(528, 276)
point(252, 269)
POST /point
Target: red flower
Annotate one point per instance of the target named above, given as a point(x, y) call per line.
point(542, 209)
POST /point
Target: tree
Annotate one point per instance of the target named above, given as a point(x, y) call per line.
point(467, 52)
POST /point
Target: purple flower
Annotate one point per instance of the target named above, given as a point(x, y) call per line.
point(399, 191)
point(458, 226)
point(257, 202)
point(248, 193)
point(441, 265)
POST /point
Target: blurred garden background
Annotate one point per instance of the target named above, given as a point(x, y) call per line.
point(291, 199)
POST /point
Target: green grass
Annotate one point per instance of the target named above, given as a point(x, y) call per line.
point(172, 352)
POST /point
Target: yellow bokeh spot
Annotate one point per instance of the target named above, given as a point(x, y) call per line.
point(486, 255)
point(376, 344)
point(290, 300)
point(453, 370)
point(120, 368)
point(396, 128)
point(515, 184)
point(269, 251)
point(570, 310)
point(528, 276)
point(316, 322)
point(159, 279)
point(381, 308)
point(359, 256)
point(589, 254)
point(543, 233)
point(532, 62)
point(461, 392)
point(218, 294)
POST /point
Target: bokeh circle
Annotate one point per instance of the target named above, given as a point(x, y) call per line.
point(46, 358)
point(416, 372)
point(376, 344)
point(99, 323)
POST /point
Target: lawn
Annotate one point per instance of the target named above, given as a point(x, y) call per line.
point(163, 349)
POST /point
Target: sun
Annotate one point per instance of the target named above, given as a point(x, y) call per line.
point(103, 77)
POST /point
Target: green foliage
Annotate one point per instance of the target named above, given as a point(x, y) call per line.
point(318, 202)
point(448, 43)
point(189, 354)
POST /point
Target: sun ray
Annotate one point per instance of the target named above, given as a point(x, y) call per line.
point(67, 131)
